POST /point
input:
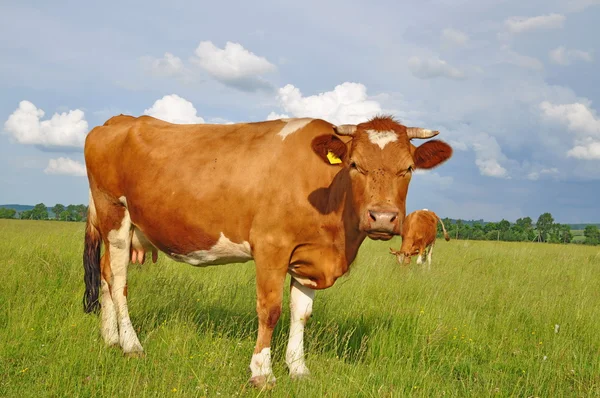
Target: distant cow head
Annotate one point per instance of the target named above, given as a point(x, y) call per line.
point(380, 160)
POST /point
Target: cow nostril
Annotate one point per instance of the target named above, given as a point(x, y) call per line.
point(394, 218)
point(372, 215)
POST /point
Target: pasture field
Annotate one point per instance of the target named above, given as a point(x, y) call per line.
point(482, 322)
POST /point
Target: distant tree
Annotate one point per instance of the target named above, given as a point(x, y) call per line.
point(592, 235)
point(57, 209)
point(489, 227)
point(7, 213)
point(503, 225)
point(544, 226)
point(566, 236)
point(26, 215)
point(39, 212)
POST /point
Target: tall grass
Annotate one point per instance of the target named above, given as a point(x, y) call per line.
point(490, 318)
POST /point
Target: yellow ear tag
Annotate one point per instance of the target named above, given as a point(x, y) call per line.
point(333, 159)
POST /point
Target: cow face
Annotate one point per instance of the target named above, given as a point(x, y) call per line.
point(380, 160)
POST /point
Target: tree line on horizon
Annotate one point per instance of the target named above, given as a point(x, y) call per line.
point(40, 212)
point(523, 230)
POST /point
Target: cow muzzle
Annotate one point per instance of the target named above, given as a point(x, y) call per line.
point(382, 225)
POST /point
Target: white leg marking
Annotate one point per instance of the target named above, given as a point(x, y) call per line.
point(108, 315)
point(260, 365)
point(420, 259)
point(429, 256)
point(301, 302)
point(292, 126)
point(119, 244)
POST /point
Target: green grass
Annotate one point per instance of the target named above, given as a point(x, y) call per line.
point(480, 323)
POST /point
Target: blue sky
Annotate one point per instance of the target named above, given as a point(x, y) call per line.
point(512, 85)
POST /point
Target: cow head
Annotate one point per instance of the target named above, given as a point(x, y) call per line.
point(403, 257)
point(380, 159)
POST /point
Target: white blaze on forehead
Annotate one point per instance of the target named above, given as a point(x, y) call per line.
point(382, 138)
point(223, 252)
point(292, 126)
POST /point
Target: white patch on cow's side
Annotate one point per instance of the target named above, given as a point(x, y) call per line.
point(223, 252)
point(260, 365)
point(119, 243)
point(382, 138)
point(301, 303)
point(425, 209)
point(293, 125)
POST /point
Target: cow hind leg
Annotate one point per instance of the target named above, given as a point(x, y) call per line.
point(119, 243)
point(429, 256)
point(301, 302)
point(108, 314)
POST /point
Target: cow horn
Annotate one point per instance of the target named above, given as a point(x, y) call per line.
point(345, 129)
point(418, 132)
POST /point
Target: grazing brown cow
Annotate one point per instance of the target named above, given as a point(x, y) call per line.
point(298, 196)
point(418, 236)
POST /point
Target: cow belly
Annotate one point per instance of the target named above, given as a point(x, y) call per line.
point(223, 252)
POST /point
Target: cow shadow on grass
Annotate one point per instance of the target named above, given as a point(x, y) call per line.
point(344, 337)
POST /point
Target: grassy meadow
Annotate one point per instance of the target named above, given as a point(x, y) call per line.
point(489, 319)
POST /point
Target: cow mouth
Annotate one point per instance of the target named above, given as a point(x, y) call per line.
point(380, 235)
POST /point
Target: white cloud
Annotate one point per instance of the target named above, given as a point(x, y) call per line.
point(523, 24)
point(432, 68)
point(577, 116)
point(522, 61)
point(234, 65)
point(347, 103)
point(66, 166)
point(275, 116)
point(168, 65)
point(174, 109)
point(586, 149)
point(535, 175)
point(580, 5)
point(67, 129)
point(564, 56)
point(453, 38)
point(435, 179)
point(488, 155)
point(581, 120)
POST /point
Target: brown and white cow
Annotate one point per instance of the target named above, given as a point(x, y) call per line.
point(419, 231)
point(298, 196)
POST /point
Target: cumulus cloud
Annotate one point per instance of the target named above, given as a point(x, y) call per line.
point(168, 65)
point(488, 156)
point(174, 109)
point(535, 175)
point(453, 38)
point(564, 56)
point(432, 68)
point(67, 129)
point(275, 116)
point(66, 166)
point(346, 103)
point(581, 120)
point(234, 66)
point(577, 116)
point(522, 61)
point(523, 24)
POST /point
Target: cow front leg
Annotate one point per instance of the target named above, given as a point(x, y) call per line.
point(269, 293)
point(429, 256)
point(301, 302)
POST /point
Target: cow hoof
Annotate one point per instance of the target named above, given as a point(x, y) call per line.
point(134, 354)
point(301, 374)
point(263, 382)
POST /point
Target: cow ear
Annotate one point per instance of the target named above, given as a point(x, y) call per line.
point(330, 149)
point(431, 154)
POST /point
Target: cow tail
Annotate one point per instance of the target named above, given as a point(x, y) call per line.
point(91, 261)
point(446, 236)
